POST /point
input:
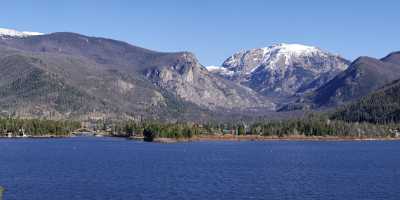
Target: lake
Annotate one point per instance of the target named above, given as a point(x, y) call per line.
point(86, 168)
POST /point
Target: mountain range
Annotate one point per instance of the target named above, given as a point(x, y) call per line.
point(73, 76)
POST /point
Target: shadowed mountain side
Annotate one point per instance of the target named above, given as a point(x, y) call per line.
point(364, 76)
point(382, 106)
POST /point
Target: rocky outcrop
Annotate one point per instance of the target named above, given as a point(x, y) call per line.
point(192, 82)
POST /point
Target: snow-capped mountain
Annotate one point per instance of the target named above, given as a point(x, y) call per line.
point(13, 33)
point(282, 69)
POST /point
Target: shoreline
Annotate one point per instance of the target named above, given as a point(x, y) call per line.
point(227, 138)
point(246, 138)
point(37, 137)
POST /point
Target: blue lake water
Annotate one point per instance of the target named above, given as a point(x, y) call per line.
point(112, 168)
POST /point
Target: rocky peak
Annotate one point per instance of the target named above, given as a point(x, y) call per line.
point(282, 69)
point(276, 57)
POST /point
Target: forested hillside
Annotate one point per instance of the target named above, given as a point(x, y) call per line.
point(382, 106)
point(36, 128)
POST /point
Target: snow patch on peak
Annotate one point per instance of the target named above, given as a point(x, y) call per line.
point(220, 70)
point(13, 33)
point(290, 49)
point(281, 66)
point(213, 68)
point(295, 47)
point(277, 56)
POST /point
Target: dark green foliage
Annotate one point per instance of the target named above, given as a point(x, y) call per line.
point(36, 127)
point(150, 132)
point(153, 130)
point(310, 126)
point(382, 106)
point(320, 127)
point(241, 130)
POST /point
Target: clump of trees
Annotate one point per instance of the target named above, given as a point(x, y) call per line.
point(153, 130)
point(321, 127)
point(309, 126)
point(36, 127)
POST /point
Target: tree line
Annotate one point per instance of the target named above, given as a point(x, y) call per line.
point(309, 126)
point(36, 127)
point(151, 130)
point(317, 125)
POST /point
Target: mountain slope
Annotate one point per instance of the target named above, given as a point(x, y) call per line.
point(35, 86)
point(382, 106)
point(114, 79)
point(393, 58)
point(364, 76)
point(283, 69)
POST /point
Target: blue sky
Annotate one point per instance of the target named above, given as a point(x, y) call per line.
point(215, 29)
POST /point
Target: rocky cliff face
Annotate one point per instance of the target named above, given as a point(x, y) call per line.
point(192, 82)
point(282, 69)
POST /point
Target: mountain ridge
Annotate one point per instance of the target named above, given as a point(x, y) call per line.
point(122, 79)
point(365, 75)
